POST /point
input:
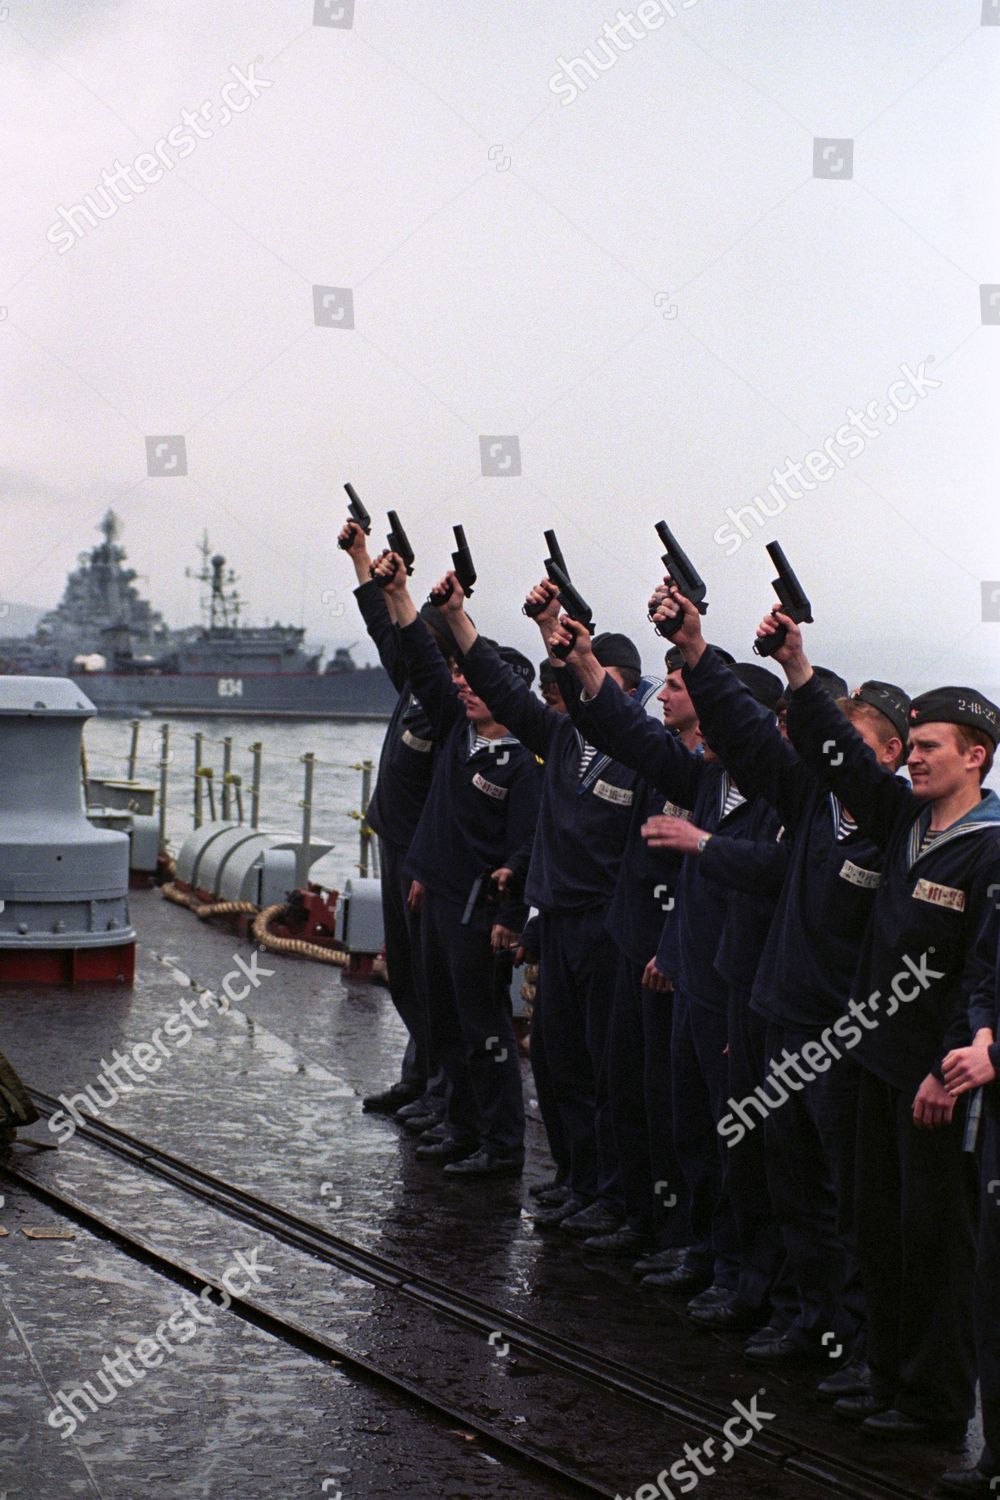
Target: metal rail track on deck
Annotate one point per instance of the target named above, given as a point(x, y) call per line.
point(564, 1354)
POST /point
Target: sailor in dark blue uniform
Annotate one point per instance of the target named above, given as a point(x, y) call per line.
point(915, 1199)
point(482, 806)
point(406, 762)
point(802, 985)
point(698, 1044)
point(978, 1067)
point(582, 827)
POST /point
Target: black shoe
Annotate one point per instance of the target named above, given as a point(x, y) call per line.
point(433, 1133)
point(853, 1380)
point(710, 1297)
point(551, 1218)
point(659, 1260)
point(388, 1101)
point(972, 1482)
point(624, 1241)
point(893, 1425)
point(444, 1151)
point(483, 1163)
point(682, 1278)
point(592, 1220)
point(553, 1196)
point(537, 1189)
point(417, 1124)
point(419, 1106)
point(722, 1317)
point(858, 1408)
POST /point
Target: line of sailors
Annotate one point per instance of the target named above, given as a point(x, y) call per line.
point(764, 1041)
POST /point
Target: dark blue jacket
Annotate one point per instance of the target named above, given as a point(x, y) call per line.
point(688, 947)
point(406, 760)
point(582, 824)
point(810, 954)
point(984, 985)
point(753, 874)
point(480, 808)
point(915, 967)
point(645, 891)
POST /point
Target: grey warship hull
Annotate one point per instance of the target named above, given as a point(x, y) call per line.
point(363, 694)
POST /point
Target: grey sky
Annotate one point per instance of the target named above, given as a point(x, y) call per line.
point(648, 286)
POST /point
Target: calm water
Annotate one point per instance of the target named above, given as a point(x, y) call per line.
point(336, 790)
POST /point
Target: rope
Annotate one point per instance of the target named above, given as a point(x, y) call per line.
point(267, 939)
point(204, 910)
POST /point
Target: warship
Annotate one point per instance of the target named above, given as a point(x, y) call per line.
point(120, 651)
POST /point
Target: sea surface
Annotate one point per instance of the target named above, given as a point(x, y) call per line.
point(339, 750)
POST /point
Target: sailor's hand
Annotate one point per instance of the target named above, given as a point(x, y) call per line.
point(667, 605)
point(933, 1105)
point(415, 899)
point(666, 832)
point(391, 568)
point(652, 979)
point(503, 878)
point(968, 1068)
point(547, 595)
point(791, 647)
point(353, 540)
point(503, 939)
point(455, 601)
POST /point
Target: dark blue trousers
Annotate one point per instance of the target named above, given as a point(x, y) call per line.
point(762, 1250)
point(576, 986)
point(402, 958)
point(700, 1087)
point(988, 1283)
point(471, 1032)
point(810, 1142)
point(653, 1188)
point(916, 1193)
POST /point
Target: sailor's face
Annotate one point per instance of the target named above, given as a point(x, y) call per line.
point(939, 764)
point(678, 710)
point(475, 709)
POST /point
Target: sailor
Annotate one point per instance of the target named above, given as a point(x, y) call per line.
point(697, 781)
point(582, 827)
point(978, 1067)
point(801, 986)
point(406, 762)
point(482, 805)
point(915, 1196)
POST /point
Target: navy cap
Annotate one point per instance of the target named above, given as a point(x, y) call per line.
point(889, 700)
point(517, 663)
point(956, 705)
point(546, 672)
point(614, 650)
point(767, 687)
point(674, 661)
point(438, 622)
point(831, 680)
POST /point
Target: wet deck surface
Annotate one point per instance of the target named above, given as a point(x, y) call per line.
point(267, 1097)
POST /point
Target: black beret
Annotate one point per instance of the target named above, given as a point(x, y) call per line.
point(674, 661)
point(438, 621)
point(889, 700)
point(517, 663)
point(546, 672)
point(956, 705)
point(765, 686)
point(832, 681)
point(614, 650)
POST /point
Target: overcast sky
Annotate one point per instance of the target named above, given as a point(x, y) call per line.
point(638, 275)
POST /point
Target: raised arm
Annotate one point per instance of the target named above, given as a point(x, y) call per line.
point(374, 606)
point(828, 743)
point(429, 677)
point(508, 698)
point(741, 731)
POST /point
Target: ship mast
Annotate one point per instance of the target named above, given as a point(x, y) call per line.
point(222, 604)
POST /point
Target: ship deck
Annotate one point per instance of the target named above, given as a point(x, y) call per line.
point(407, 1336)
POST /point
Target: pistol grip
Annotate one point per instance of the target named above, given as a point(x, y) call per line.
point(437, 597)
point(383, 582)
point(562, 652)
point(767, 645)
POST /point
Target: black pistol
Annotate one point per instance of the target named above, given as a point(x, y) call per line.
point(555, 556)
point(792, 599)
point(687, 579)
point(464, 569)
point(573, 604)
point(399, 543)
point(358, 514)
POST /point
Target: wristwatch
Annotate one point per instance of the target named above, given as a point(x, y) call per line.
point(702, 842)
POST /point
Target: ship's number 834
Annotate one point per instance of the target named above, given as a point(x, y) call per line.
point(230, 687)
